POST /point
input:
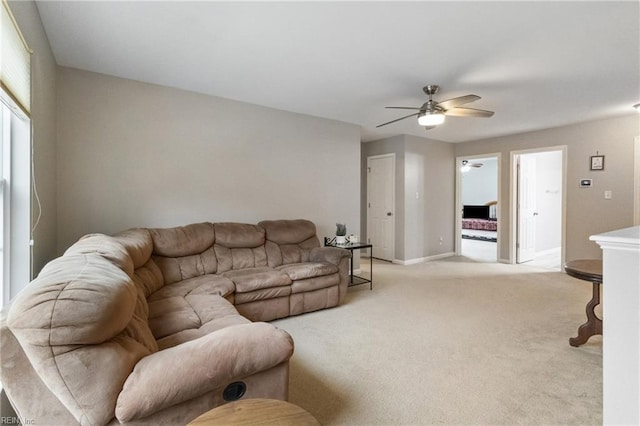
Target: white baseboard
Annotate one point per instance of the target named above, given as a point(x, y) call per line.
point(423, 259)
point(555, 250)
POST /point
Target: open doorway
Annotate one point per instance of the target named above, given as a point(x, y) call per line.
point(539, 203)
point(478, 207)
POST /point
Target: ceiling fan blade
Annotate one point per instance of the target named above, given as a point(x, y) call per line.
point(416, 108)
point(454, 102)
point(468, 112)
point(398, 119)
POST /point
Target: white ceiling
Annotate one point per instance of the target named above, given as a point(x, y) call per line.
point(536, 64)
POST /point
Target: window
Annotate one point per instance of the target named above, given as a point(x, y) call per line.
point(15, 157)
point(4, 201)
point(15, 197)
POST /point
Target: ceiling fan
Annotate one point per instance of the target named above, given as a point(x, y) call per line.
point(432, 113)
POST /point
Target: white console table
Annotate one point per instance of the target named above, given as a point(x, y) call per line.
point(621, 325)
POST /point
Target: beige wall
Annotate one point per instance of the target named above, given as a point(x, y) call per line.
point(136, 154)
point(587, 213)
point(429, 198)
point(43, 119)
point(424, 190)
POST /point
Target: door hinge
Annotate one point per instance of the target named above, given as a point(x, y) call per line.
point(369, 169)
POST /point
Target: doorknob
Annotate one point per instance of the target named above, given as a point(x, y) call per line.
point(389, 213)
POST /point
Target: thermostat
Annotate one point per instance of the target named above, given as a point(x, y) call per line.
point(585, 183)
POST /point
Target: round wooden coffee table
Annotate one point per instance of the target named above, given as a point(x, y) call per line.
point(256, 411)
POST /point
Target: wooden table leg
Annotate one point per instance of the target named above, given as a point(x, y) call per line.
point(593, 325)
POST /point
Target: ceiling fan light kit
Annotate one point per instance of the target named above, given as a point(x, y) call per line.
point(432, 113)
point(431, 119)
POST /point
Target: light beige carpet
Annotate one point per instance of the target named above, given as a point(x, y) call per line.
point(450, 342)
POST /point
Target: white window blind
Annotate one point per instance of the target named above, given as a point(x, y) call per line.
point(15, 60)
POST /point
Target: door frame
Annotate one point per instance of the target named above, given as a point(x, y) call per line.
point(513, 205)
point(391, 155)
point(458, 210)
point(636, 180)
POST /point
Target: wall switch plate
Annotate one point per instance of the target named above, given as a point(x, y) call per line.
point(585, 183)
point(608, 195)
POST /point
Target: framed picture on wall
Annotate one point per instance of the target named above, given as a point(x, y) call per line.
point(597, 162)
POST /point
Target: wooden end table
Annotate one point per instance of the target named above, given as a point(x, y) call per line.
point(256, 411)
point(587, 270)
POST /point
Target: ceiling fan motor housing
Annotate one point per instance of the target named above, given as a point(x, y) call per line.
point(431, 89)
point(431, 106)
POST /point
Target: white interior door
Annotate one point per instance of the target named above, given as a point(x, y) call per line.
point(526, 214)
point(381, 205)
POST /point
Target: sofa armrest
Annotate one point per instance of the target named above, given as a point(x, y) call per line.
point(336, 256)
point(183, 372)
point(333, 255)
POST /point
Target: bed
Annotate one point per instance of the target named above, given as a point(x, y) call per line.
point(480, 217)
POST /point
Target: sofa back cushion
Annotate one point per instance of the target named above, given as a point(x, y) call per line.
point(146, 275)
point(184, 252)
point(289, 241)
point(78, 325)
point(138, 243)
point(239, 246)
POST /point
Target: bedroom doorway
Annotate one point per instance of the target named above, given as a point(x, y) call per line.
point(539, 201)
point(477, 212)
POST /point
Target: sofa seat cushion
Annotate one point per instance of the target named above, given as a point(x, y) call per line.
point(316, 283)
point(262, 294)
point(215, 314)
point(251, 279)
point(204, 284)
point(301, 271)
point(177, 314)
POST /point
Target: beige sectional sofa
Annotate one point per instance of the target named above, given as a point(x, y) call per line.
point(154, 326)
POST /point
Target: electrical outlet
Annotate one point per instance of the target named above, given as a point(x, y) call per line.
point(608, 195)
